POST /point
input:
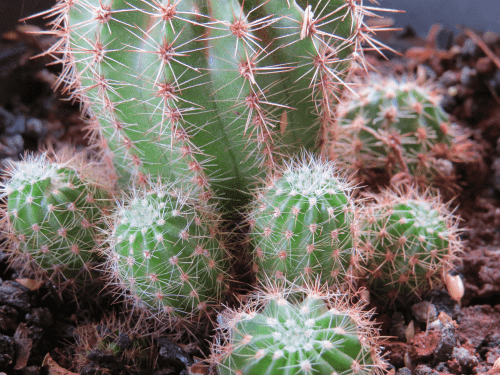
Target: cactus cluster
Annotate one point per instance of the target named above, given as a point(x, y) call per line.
point(304, 223)
point(55, 213)
point(297, 331)
point(410, 240)
point(397, 125)
point(195, 105)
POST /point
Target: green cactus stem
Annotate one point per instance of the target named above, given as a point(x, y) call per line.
point(313, 334)
point(304, 223)
point(410, 239)
point(204, 93)
point(54, 215)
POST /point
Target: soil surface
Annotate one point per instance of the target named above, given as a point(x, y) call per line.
point(43, 330)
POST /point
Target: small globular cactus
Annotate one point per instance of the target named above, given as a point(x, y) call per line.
point(410, 240)
point(116, 344)
point(54, 215)
point(304, 223)
point(399, 126)
point(166, 250)
point(296, 331)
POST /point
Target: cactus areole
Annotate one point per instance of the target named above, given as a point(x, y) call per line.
point(199, 92)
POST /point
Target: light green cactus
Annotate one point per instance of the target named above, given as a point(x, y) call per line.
point(304, 223)
point(312, 333)
point(54, 215)
point(410, 240)
point(167, 252)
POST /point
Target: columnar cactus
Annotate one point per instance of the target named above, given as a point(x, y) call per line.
point(410, 240)
point(54, 215)
point(397, 125)
point(166, 251)
point(316, 334)
point(304, 223)
point(199, 91)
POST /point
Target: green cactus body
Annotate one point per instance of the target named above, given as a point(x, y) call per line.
point(312, 336)
point(54, 216)
point(193, 91)
point(164, 250)
point(410, 239)
point(304, 224)
point(399, 126)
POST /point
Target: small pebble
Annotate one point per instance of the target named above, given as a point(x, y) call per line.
point(449, 78)
point(424, 370)
point(468, 77)
point(470, 50)
point(40, 317)
point(404, 371)
point(466, 360)
point(424, 312)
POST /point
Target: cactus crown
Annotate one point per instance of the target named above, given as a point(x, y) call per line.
point(297, 331)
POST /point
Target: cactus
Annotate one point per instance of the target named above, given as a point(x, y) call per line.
point(118, 344)
point(398, 125)
point(166, 251)
point(317, 333)
point(195, 91)
point(304, 223)
point(410, 240)
point(53, 215)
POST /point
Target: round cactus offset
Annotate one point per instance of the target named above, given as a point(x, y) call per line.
point(318, 335)
point(410, 239)
point(165, 251)
point(304, 223)
point(54, 214)
point(397, 125)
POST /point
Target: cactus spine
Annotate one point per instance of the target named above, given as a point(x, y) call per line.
point(54, 213)
point(411, 240)
point(304, 223)
point(315, 333)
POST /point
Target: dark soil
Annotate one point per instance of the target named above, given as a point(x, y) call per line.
point(41, 326)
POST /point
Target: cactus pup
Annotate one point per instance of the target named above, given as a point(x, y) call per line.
point(304, 223)
point(410, 239)
point(166, 252)
point(398, 125)
point(296, 331)
point(53, 216)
